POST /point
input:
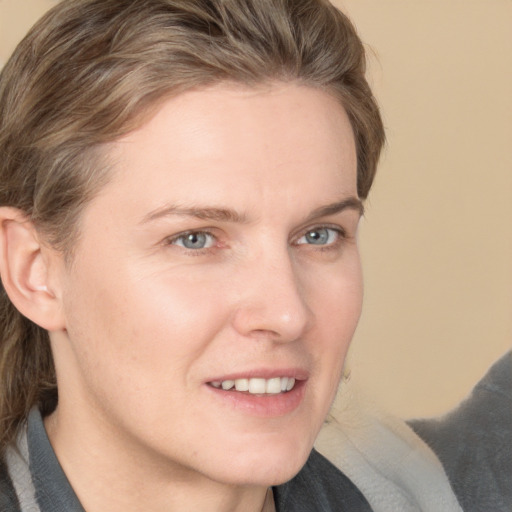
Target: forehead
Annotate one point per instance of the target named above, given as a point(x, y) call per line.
point(239, 143)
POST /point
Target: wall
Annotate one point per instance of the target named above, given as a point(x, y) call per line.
point(437, 238)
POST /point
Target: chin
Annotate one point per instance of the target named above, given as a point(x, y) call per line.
point(272, 464)
point(269, 474)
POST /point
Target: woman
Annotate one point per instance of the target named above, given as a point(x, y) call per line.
point(181, 185)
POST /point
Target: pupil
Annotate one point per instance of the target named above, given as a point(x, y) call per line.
point(195, 240)
point(318, 237)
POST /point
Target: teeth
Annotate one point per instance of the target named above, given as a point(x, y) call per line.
point(273, 386)
point(257, 386)
point(242, 384)
point(227, 384)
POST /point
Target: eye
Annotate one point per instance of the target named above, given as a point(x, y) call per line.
point(194, 240)
point(320, 236)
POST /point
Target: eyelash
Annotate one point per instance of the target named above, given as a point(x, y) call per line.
point(340, 234)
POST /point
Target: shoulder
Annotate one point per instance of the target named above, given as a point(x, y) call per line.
point(320, 486)
point(474, 442)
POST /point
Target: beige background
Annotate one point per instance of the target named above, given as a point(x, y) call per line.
point(437, 238)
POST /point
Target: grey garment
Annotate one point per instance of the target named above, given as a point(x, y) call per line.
point(319, 486)
point(8, 499)
point(31, 479)
point(474, 442)
point(53, 491)
point(17, 460)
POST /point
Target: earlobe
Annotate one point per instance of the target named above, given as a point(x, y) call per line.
point(25, 270)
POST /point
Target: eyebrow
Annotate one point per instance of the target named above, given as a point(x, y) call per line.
point(229, 215)
point(350, 203)
point(215, 214)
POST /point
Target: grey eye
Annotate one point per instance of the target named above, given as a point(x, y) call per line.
point(195, 240)
point(319, 236)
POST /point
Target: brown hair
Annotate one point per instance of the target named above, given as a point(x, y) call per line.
point(86, 73)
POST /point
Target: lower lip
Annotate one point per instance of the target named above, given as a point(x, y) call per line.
point(265, 406)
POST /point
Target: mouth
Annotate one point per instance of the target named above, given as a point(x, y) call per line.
point(257, 386)
point(264, 393)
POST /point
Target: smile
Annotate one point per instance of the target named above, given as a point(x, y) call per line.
point(257, 386)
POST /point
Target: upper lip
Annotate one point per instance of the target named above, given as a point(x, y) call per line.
point(264, 373)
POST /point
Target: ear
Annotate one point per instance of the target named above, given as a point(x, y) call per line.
point(25, 269)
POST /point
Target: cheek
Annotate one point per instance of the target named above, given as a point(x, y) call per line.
point(336, 297)
point(131, 345)
point(153, 322)
point(337, 305)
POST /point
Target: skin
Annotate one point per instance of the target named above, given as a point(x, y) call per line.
point(147, 323)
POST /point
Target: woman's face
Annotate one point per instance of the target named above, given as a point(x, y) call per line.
point(222, 253)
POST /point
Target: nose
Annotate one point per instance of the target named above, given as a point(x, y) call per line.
point(272, 303)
